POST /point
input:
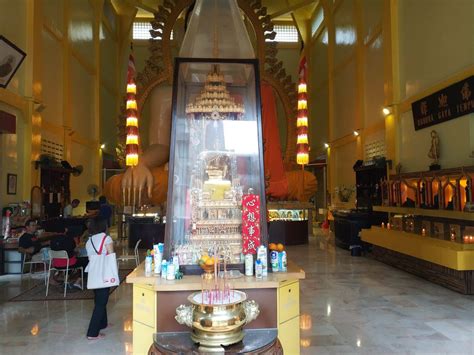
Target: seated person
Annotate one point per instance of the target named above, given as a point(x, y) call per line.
point(67, 212)
point(30, 245)
point(65, 242)
point(82, 240)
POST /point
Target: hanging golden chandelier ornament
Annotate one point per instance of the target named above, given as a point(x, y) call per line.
point(302, 143)
point(131, 144)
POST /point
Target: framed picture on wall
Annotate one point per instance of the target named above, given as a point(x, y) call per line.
point(11, 184)
point(11, 58)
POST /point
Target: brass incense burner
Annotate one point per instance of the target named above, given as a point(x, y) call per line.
point(219, 323)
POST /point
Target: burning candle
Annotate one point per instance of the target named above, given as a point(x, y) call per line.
point(383, 225)
point(471, 239)
point(388, 225)
point(453, 236)
point(466, 239)
point(423, 232)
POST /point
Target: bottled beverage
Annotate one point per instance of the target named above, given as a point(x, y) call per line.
point(161, 248)
point(148, 263)
point(157, 257)
point(258, 269)
point(274, 261)
point(248, 265)
point(262, 255)
point(176, 263)
point(283, 264)
point(170, 275)
point(157, 264)
point(164, 269)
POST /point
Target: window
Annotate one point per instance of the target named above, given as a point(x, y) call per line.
point(318, 20)
point(141, 30)
point(285, 33)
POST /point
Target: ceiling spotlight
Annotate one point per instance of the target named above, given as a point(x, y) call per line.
point(387, 111)
point(102, 146)
point(326, 145)
point(356, 133)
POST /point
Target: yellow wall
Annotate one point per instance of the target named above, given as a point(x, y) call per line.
point(318, 91)
point(12, 149)
point(436, 46)
point(367, 54)
point(73, 51)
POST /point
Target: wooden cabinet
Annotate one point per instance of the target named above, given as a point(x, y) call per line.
point(144, 318)
point(142, 338)
point(289, 336)
point(289, 316)
point(144, 305)
point(155, 301)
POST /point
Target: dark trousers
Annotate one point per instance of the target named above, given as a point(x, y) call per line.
point(99, 315)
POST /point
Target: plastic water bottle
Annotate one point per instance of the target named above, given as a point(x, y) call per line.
point(164, 269)
point(176, 263)
point(148, 263)
point(262, 255)
point(170, 275)
point(283, 264)
point(274, 261)
point(258, 269)
point(157, 257)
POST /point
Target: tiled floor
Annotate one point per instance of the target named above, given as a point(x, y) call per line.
point(348, 304)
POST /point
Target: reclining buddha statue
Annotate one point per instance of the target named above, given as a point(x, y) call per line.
point(150, 177)
point(224, 37)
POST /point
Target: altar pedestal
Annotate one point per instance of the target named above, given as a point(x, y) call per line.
point(256, 341)
point(155, 301)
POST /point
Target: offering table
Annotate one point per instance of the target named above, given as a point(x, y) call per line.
point(155, 301)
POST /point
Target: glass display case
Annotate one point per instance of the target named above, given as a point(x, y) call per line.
point(216, 159)
point(289, 222)
point(287, 215)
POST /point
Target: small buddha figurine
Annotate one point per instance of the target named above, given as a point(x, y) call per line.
point(434, 151)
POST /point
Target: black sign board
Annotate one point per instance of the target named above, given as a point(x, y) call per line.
point(454, 101)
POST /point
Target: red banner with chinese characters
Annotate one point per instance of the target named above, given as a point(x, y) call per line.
point(250, 223)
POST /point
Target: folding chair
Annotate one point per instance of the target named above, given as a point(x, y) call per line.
point(135, 255)
point(62, 254)
point(26, 259)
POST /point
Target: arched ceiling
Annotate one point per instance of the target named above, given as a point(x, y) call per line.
point(298, 11)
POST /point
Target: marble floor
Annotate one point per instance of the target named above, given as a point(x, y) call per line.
point(348, 305)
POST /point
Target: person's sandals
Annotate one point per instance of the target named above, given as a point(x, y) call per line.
point(100, 336)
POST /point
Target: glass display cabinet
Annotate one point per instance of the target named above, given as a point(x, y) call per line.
point(287, 215)
point(216, 160)
point(289, 222)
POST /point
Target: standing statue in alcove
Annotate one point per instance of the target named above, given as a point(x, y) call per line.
point(434, 151)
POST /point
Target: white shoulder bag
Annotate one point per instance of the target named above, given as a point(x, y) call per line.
point(102, 269)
